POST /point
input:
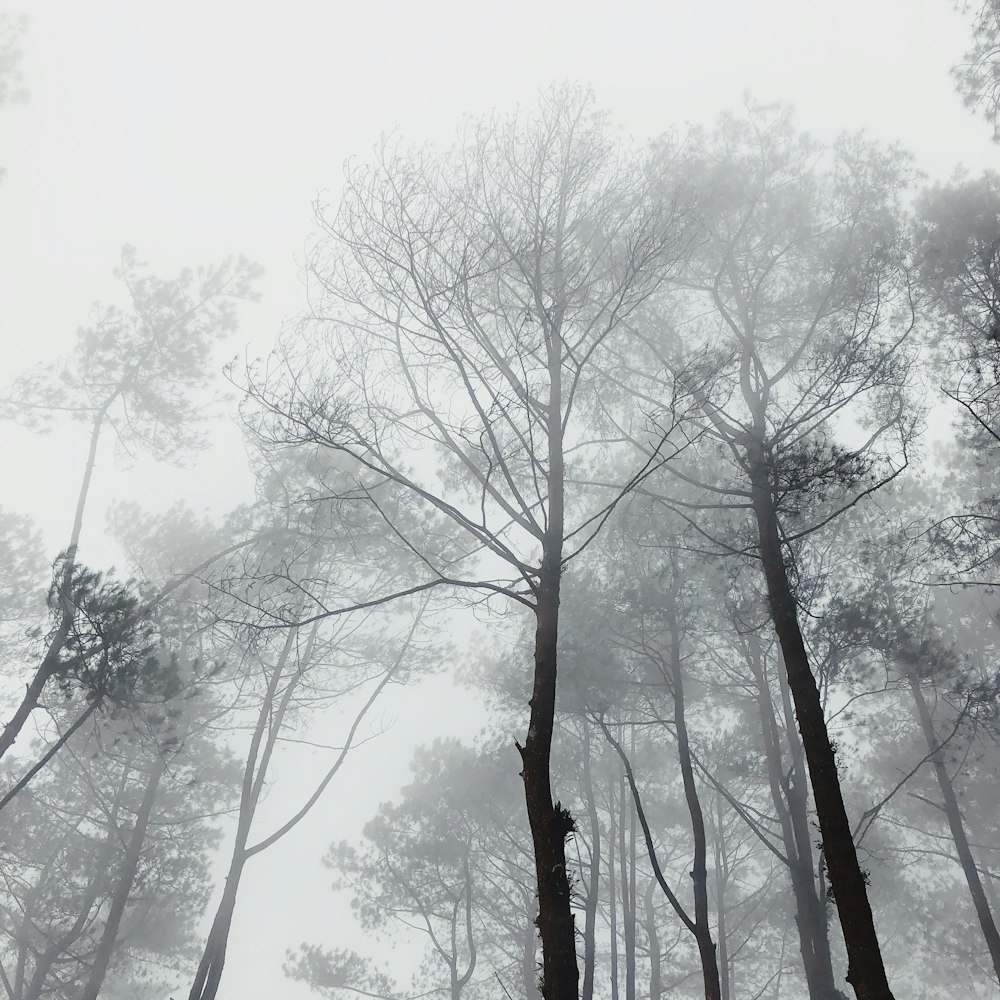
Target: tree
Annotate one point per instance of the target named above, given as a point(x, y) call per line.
point(803, 275)
point(978, 75)
point(787, 784)
point(657, 635)
point(273, 618)
point(957, 252)
point(105, 865)
point(446, 862)
point(136, 374)
point(900, 620)
point(419, 866)
point(463, 304)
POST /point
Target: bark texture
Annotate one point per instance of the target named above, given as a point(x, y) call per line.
point(550, 823)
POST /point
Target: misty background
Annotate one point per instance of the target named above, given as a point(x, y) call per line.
point(198, 131)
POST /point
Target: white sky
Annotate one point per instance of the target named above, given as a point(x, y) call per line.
point(198, 129)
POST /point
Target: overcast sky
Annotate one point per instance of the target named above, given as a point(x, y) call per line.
point(198, 129)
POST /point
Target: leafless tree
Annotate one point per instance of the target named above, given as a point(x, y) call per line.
point(462, 305)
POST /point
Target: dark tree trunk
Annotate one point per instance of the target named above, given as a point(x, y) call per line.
point(788, 795)
point(633, 904)
point(866, 970)
point(957, 827)
point(815, 907)
point(550, 823)
point(126, 880)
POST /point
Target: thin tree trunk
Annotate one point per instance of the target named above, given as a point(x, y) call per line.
point(51, 661)
point(699, 868)
point(633, 906)
point(866, 970)
point(126, 880)
point(45, 960)
point(594, 880)
point(957, 826)
point(209, 974)
point(797, 791)
point(269, 721)
point(50, 753)
point(529, 947)
point(613, 886)
point(703, 934)
point(627, 880)
point(33, 691)
point(653, 943)
point(721, 878)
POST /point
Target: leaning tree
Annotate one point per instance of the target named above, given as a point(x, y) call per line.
point(797, 307)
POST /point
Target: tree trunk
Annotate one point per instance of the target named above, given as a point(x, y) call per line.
point(25, 779)
point(813, 910)
point(633, 867)
point(33, 691)
point(699, 868)
point(721, 879)
point(653, 943)
point(265, 734)
point(957, 827)
point(529, 962)
point(550, 822)
point(594, 880)
point(613, 885)
point(866, 970)
point(213, 959)
point(626, 864)
point(46, 959)
point(126, 880)
point(788, 795)
point(51, 661)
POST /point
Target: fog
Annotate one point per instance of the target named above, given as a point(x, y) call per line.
point(499, 502)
